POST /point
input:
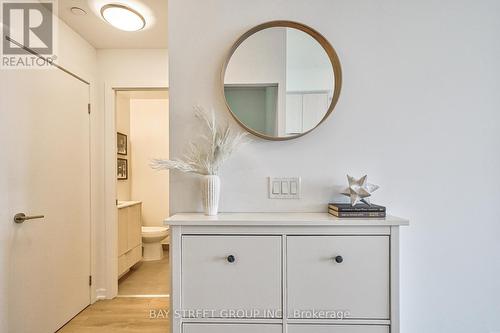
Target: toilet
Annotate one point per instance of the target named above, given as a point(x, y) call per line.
point(151, 242)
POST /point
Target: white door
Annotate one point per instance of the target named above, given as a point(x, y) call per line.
point(45, 160)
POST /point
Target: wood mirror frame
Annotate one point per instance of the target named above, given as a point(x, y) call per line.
point(330, 51)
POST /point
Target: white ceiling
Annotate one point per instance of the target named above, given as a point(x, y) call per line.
point(103, 36)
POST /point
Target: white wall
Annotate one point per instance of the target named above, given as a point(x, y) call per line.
point(418, 112)
point(261, 59)
point(133, 66)
point(123, 186)
point(118, 68)
point(308, 67)
point(149, 139)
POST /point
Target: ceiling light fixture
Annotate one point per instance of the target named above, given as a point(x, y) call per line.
point(123, 17)
point(78, 11)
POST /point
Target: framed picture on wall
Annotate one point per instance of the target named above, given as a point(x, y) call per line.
point(122, 169)
point(121, 143)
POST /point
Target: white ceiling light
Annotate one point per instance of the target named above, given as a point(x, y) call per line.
point(78, 11)
point(123, 17)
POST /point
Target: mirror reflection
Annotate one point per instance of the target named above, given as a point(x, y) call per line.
point(279, 82)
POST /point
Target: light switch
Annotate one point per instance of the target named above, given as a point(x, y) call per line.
point(284, 187)
point(276, 187)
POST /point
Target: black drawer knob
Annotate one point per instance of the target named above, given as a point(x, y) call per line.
point(339, 259)
point(231, 258)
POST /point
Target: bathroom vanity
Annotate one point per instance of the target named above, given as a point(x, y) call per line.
point(129, 235)
point(284, 272)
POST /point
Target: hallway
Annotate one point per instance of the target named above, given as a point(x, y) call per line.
point(149, 278)
point(122, 314)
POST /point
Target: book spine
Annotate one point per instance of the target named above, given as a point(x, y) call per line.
point(354, 209)
point(357, 214)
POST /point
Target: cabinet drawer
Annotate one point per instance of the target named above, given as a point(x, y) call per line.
point(122, 231)
point(359, 284)
point(134, 235)
point(337, 329)
point(122, 264)
point(232, 328)
point(250, 283)
point(134, 256)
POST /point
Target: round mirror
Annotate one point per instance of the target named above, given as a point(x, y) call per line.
point(281, 80)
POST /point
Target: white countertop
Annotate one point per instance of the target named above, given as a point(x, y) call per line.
point(279, 219)
point(124, 204)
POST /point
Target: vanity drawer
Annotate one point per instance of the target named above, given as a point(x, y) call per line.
point(231, 328)
point(358, 284)
point(134, 235)
point(122, 231)
point(122, 264)
point(223, 273)
point(134, 256)
point(337, 329)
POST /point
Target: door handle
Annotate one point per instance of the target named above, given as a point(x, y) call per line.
point(21, 217)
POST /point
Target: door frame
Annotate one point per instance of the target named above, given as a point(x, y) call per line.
point(110, 183)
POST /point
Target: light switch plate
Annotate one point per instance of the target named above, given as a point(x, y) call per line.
point(284, 187)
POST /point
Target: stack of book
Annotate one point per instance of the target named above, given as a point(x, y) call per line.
point(360, 210)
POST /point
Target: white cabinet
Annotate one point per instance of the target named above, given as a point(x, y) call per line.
point(231, 273)
point(304, 110)
point(229, 328)
point(129, 236)
point(339, 273)
point(293, 117)
point(338, 329)
point(122, 231)
point(241, 272)
point(315, 106)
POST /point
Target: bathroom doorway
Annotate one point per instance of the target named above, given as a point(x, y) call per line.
point(142, 194)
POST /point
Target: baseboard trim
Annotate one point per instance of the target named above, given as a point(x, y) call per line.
point(100, 294)
point(144, 296)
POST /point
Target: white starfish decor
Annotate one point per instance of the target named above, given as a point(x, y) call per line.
point(359, 190)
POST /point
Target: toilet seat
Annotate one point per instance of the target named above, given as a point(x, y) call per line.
point(154, 231)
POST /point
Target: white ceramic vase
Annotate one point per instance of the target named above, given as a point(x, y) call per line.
point(210, 190)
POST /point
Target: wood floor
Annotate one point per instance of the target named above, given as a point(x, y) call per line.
point(124, 315)
point(148, 278)
point(130, 314)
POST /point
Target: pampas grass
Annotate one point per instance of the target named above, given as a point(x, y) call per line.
point(206, 155)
